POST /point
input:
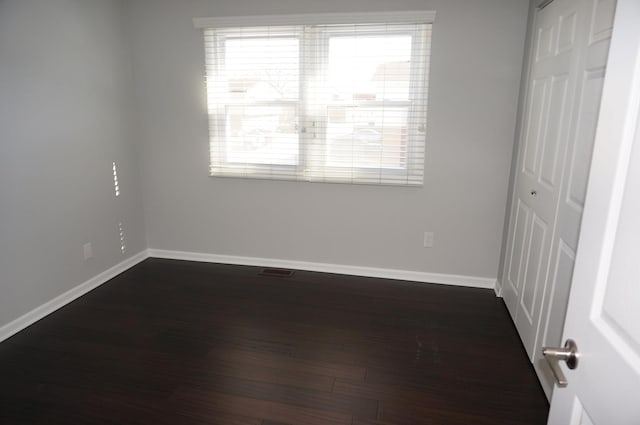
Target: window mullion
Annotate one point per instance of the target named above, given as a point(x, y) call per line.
point(303, 103)
point(311, 103)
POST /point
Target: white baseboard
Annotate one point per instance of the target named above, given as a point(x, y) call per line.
point(446, 279)
point(49, 307)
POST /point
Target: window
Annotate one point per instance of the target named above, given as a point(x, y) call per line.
point(318, 102)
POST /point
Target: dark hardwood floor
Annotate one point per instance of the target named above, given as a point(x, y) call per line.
point(175, 342)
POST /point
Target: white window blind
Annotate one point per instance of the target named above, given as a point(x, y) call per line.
point(327, 103)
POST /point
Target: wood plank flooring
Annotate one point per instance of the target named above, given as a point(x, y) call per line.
point(176, 342)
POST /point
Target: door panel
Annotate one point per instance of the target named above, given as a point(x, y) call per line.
point(536, 125)
point(518, 244)
point(545, 38)
point(550, 151)
point(587, 119)
point(567, 32)
point(603, 12)
point(534, 268)
point(603, 316)
point(553, 315)
point(560, 285)
point(531, 293)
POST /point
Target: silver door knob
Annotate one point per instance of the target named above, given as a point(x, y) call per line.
point(568, 354)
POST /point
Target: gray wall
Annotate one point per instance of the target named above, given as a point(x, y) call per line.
point(65, 115)
point(475, 76)
point(70, 105)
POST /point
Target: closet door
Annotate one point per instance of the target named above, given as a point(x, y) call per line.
point(548, 108)
point(591, 66)
point(567, 66)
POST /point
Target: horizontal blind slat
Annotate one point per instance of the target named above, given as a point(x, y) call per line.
point(329, 103)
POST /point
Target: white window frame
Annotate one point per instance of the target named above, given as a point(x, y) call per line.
point(312, 122)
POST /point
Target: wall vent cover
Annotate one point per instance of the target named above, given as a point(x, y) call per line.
point(273, 272)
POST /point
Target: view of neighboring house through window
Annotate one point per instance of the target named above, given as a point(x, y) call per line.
point(367, 116)
point(333, 103)
point(262, 100)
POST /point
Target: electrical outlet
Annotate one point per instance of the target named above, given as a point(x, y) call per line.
point(88, 251)
point(428, 239)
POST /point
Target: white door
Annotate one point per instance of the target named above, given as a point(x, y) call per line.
point(591, 66)
point(603, 315)
point(567, 66)
point(550, 94)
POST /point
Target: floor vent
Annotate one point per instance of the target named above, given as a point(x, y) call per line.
point(269, 271)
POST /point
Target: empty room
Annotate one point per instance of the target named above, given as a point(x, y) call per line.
point(292, 212)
